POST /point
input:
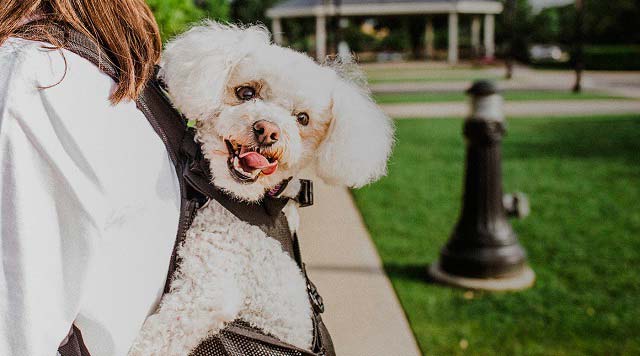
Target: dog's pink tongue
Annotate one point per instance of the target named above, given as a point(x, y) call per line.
point(254, 160)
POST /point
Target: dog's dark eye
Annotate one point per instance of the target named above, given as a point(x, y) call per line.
point(245, 93)
point(303, 118)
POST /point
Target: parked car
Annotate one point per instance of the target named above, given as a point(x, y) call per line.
point(547, 53)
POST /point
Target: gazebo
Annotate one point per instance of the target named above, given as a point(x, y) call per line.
point(321, 9)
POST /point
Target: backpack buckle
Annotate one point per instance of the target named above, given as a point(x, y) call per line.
point(316, 299)
point(305, 196)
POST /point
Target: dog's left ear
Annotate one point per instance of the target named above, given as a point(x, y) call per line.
point(196, 65)
point(359, 140)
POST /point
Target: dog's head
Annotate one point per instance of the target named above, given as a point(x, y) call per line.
point(264, 112)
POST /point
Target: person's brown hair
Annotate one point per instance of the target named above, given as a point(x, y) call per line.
point(125, 29)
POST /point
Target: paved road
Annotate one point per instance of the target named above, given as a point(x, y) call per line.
point(518, 108)
point(625, 84)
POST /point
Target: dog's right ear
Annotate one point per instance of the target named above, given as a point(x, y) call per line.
point(196, 65)
point(359, 140)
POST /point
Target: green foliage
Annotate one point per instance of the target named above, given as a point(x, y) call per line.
point(612, 57)
point(554, 25)
point(174, 16)
point(297, 33)
point(521, 33)
point(399, 39)
point(251, 11)
point(396, 41)
point(217, 9)
point(358, 40)
point(605, 22)
point(547, 26)
point(581, 175)
point(612, 21)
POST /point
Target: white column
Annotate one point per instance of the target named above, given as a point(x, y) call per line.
point(321, 38)
point(276, 29)
point(428, 38)
point(475, 35)
point(489, 36)
point(453, 38)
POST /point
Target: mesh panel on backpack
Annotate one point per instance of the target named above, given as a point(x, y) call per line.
point(229, 343)
point(74, 345)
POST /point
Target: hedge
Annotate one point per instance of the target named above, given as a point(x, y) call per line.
point(618, 57)
point(612, 57)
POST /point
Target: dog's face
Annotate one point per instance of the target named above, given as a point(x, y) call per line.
point(265, 112)
point(268, 123)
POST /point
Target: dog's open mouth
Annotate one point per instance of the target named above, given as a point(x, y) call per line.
point(247, 163)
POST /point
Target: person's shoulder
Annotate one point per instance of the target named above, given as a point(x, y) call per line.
point(15, 48)
point(21, 51)
point(28, 63)
point(28, 66)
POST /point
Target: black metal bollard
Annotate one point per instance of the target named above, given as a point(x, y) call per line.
point(483, 251)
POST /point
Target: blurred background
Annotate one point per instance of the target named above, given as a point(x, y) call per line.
point(569, 73)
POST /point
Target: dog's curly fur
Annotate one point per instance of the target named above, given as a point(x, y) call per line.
point(230, 270)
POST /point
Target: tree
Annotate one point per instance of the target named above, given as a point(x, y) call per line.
point(215, 9)
point(547, 26)
point(605, 22)
point(174, 16)
point(521, 33)
point(612, 21)
point(251, 11)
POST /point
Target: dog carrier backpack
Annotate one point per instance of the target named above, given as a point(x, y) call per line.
point(237, 338)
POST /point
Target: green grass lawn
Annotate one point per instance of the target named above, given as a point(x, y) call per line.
point(582, 176)
point(525, 95)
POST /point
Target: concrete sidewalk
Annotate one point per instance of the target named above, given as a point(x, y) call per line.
point(362, 311)
point(544, 108)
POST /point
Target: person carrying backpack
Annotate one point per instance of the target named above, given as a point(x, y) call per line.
point(89, 196)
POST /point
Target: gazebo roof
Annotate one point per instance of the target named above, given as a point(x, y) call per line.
point(303, 8)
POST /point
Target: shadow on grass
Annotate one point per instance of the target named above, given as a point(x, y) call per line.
point(409, 272)
point(617, 138)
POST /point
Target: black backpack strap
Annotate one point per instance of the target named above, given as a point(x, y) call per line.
point(183, 150)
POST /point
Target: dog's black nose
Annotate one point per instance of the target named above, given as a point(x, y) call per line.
point(266, 132)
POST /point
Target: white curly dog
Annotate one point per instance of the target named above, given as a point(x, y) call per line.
point(263, 113)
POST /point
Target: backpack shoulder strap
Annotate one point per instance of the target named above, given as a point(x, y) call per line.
point(79, 44)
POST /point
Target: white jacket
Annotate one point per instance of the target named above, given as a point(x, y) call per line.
point(89, 206)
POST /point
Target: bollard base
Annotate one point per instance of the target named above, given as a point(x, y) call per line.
point(522, 280)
